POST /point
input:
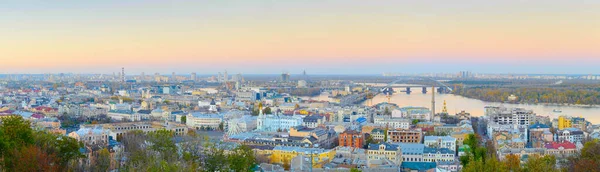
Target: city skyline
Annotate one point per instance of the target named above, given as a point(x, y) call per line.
point(334, 37)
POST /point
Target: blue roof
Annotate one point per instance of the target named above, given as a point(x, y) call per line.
point(538, 125)
point(420, 166)
point(435, 150)
point(361, 120)
point(23, 114)
point(388, 147)
point(443, 138)
point(412, 148)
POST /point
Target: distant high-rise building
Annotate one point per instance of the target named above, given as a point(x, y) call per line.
point(173, 77)
point(236, 77)
point(193, 77)
point(143, 77)
point(123, 75)
point(465, 74)
point(285, 77)
point(225, 77)
point(157, 77)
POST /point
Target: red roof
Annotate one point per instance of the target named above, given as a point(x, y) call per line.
point(43, 108)
point(556, 145)
point(37, 115)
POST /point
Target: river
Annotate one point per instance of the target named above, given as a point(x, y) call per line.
point(457, 103)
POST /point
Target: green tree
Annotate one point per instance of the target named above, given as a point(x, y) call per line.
point(385, 135)
point(415, 121)
point(161, 141)
point(183, 119)
point(354, 170)
point(18, 138)
point(215, 160)
point(387, 111)
point(267, 110)
point(16, 132)
point(221, 126)
point(241, 159)
point(586, 160)
point(103, 160)
point(513, 163)
point(541, 163)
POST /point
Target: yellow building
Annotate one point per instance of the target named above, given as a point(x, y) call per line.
point(285, 154)
point(380, 154)
point(564, 122)
point(303, 112)
point(199, 92)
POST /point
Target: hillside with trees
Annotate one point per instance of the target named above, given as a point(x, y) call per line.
point(568, 95)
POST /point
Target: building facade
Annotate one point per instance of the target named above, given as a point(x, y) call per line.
point(351, 138)
point(405, 136)
point(380, 153)
point(440, 142)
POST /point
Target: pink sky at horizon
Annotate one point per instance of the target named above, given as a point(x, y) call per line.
point(104, 34)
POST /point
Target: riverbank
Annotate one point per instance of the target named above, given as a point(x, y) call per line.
point(534, 104)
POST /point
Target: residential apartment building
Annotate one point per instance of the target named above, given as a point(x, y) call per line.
point(378, 135)
point(440, 142)
point(438, 155)
point(393, 123)
point(509, 116)
point(572, 135)
point(313, 121)
point(382, 153)
point(561, 149)
point(539, 134)
point(351, 138)
point(412, 152)
point(405, 136)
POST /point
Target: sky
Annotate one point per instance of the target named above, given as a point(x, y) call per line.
point(319, 36)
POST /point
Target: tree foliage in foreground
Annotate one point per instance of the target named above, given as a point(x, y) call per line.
point(24, 149)
point(158, 152)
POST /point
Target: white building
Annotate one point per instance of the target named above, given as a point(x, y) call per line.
point(246, 95)
point(572, 135)
point(198, 120)
point(313, 121)
point(277, 122)
point(512, 116)
point(438, 155)
point(417, 152)
point(124, 116)
point(395, 123)
point(420, 113)
point(384, 153)
point(91, 136)
point(440, 142)
point(302, 84)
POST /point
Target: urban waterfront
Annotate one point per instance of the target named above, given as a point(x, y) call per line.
point(456, 103)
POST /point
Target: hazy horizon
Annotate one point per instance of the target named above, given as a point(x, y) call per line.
point(321, 37)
